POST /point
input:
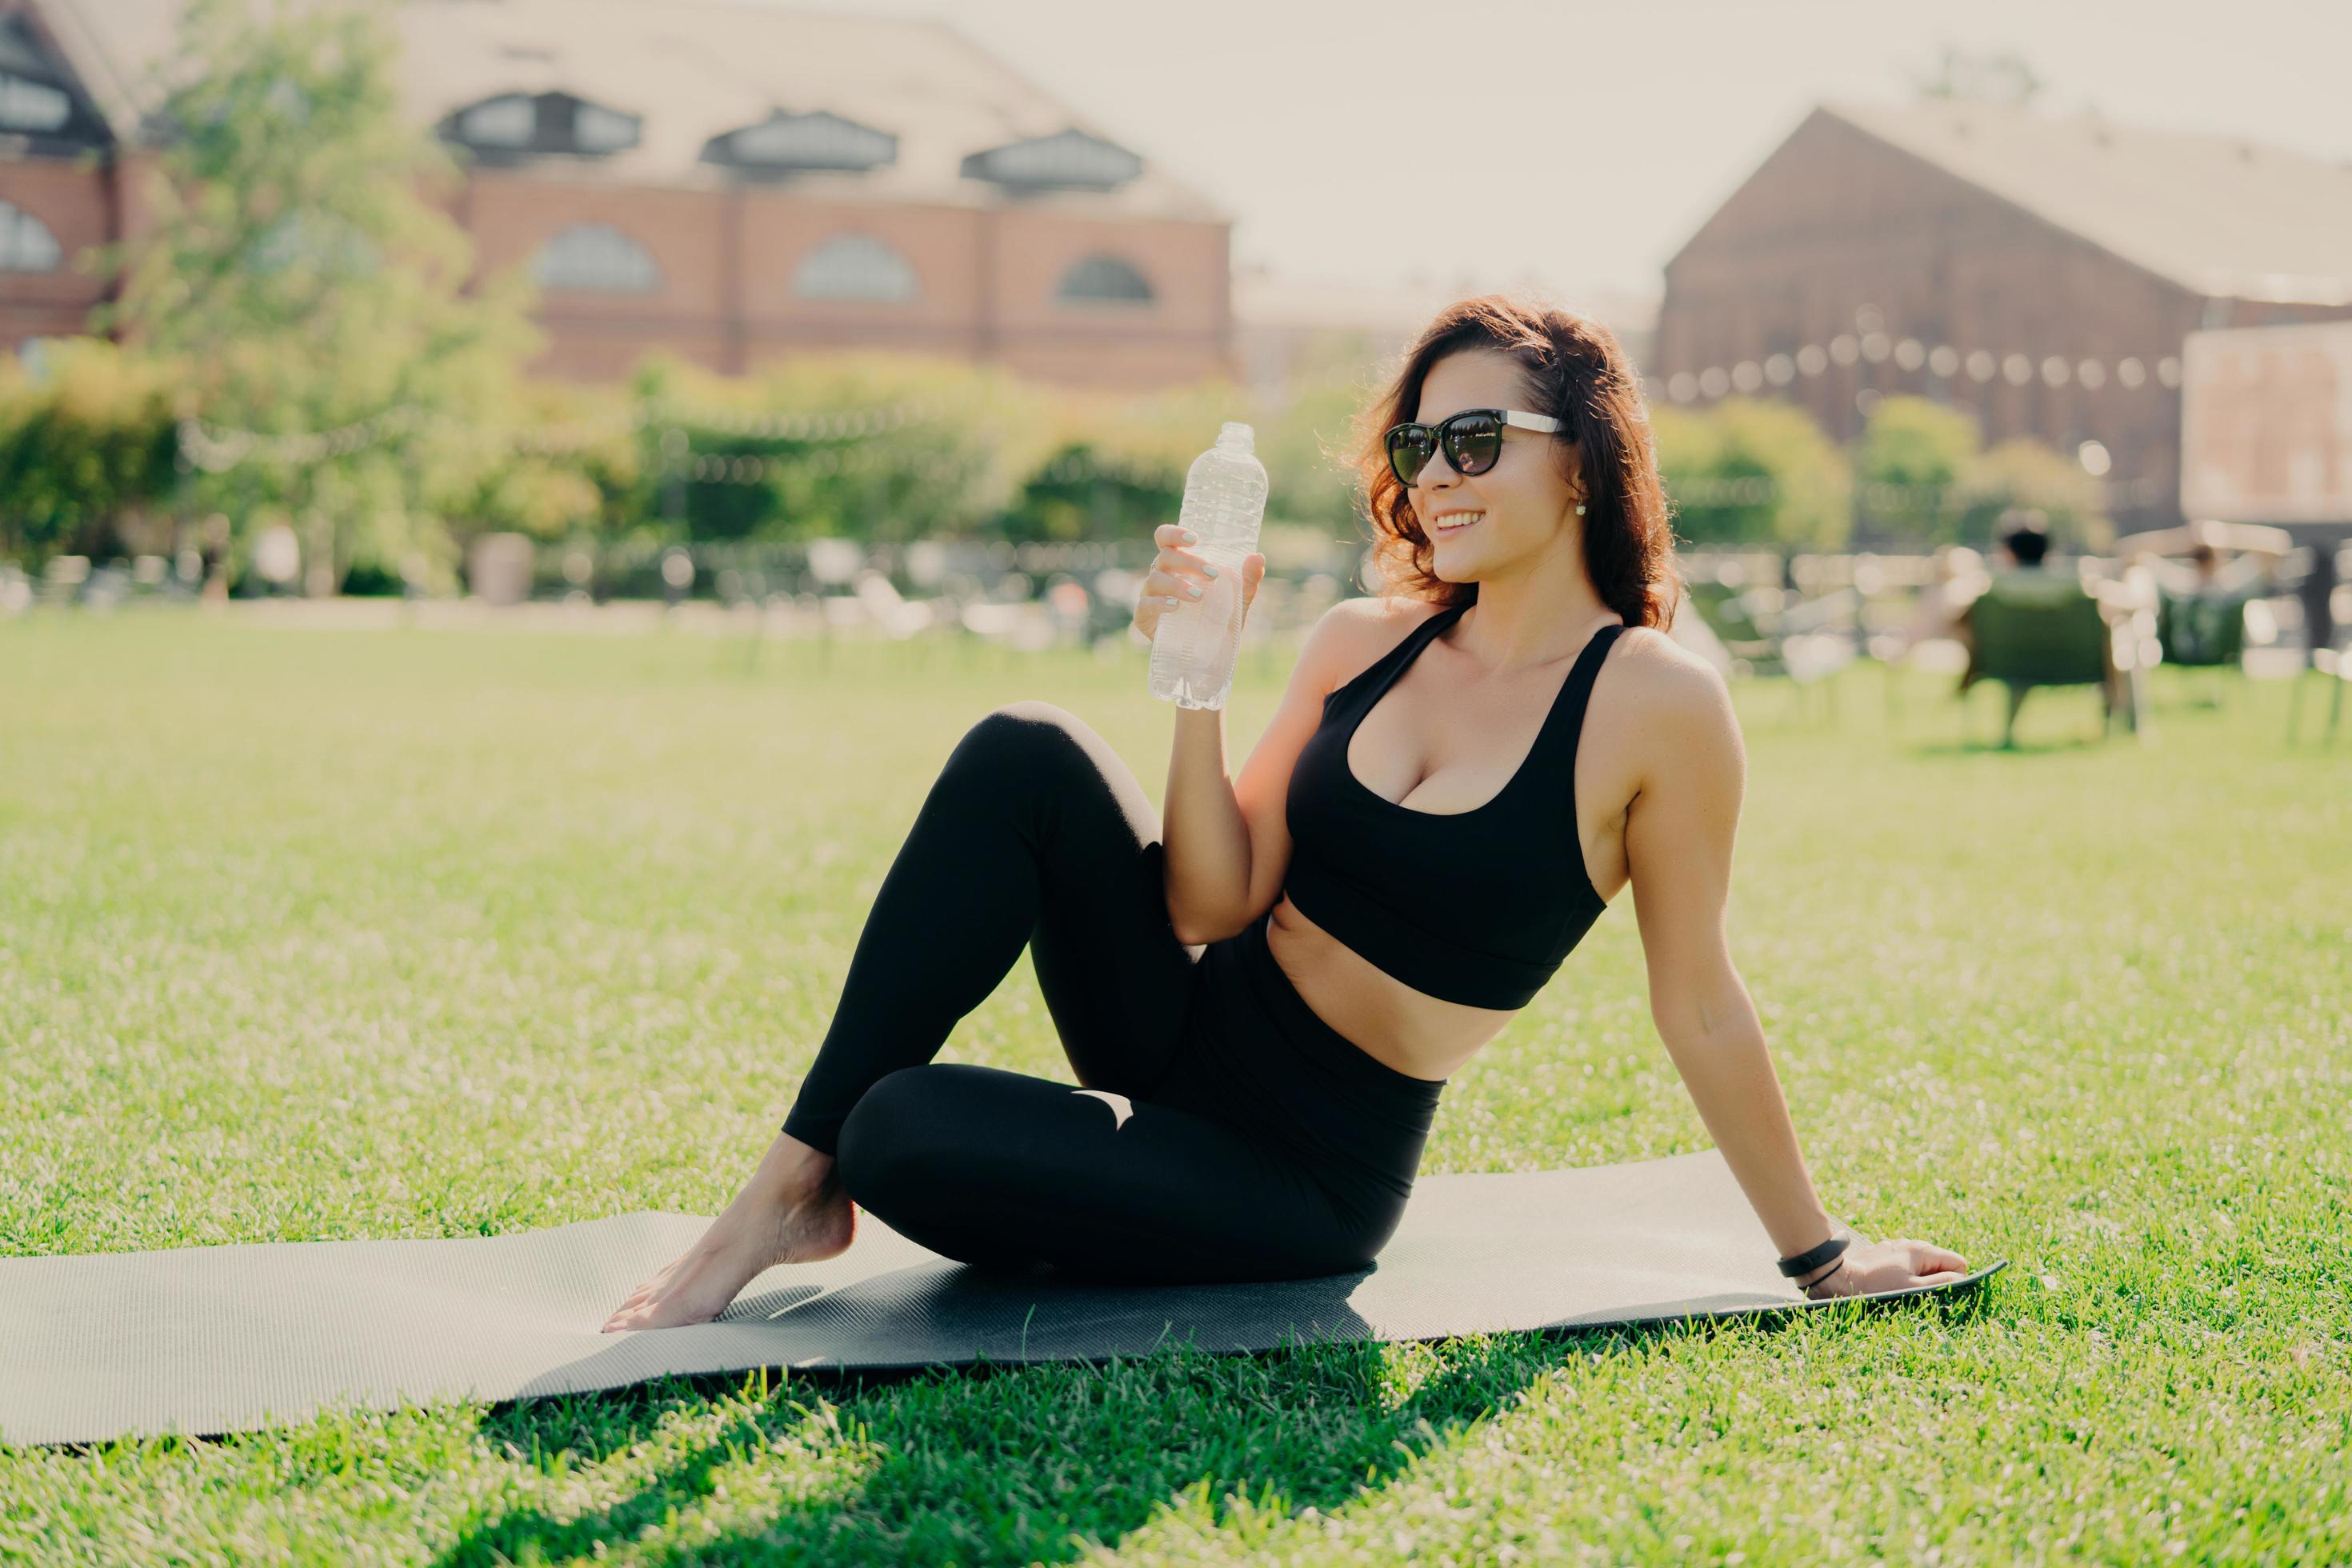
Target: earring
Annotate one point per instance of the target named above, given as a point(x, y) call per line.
point(1579, 508)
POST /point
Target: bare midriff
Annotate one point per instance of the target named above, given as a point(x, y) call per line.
point(1419, 1035)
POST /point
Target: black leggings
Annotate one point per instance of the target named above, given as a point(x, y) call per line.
point(1224, 1132)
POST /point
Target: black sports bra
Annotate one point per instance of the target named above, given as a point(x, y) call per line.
point(1478, 906)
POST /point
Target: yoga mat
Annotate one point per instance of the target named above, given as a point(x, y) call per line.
point(206, 1340)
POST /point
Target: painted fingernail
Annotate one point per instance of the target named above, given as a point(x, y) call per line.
point(1194, 589)
point(1172, 599)
point(1210, 569)
point(1191, 537)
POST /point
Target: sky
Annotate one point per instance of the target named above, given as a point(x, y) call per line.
point(1577, 146)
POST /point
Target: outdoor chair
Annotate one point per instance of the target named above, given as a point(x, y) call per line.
point(1767, 631)
point(1742, 619)
point(2203, 631)
point(1817, 639)
point(2334, 665)
point(2049, 634)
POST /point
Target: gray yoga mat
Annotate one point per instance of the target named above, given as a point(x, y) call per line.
point(205, 1340)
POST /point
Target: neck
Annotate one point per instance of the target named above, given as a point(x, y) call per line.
point(1525, 618)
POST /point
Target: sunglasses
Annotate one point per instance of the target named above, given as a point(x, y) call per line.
point(1470, 440)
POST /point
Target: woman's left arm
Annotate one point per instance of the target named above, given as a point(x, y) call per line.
point(1678, 846)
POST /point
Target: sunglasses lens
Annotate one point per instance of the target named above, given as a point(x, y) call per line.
point(1409, 449)
point(1473, 442)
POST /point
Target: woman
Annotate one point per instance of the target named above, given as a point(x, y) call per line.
point(1264, 998)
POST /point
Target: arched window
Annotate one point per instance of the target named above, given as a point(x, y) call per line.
point(1100, 279)
point(855, 267)
point(595, 255)
point(26, 243)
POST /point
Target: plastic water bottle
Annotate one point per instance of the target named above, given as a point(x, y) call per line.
point(1197, 641)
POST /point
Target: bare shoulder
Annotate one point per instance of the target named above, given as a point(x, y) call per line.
point(1666, 694)
point(1656, 667)
point(1354, 632)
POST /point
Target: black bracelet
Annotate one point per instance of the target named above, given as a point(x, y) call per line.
point(1806, 1262)
point(1841, 1263)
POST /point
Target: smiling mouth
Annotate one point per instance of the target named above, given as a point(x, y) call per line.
point(1456, 524)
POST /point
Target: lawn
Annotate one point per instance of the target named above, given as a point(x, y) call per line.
point(316, 935)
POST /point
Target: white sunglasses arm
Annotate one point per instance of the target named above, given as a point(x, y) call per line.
point(1540, 422)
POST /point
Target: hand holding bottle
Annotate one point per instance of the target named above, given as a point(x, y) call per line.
point(1196, 639)
point(1176, 575)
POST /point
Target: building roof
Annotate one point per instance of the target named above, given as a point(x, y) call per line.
point(2220, 215)
point(691, 70)
point(1264, 297)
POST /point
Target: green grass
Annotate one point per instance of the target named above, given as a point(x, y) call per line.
point(334, 934)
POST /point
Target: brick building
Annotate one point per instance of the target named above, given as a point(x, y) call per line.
point(2039, 271)
point(728, 181)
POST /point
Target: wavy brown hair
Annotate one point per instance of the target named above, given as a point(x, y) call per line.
point(1576, 372)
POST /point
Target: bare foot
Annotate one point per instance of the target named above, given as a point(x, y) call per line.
point(761, 1228)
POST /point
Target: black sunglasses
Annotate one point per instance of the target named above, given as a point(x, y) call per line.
point(1470, 440)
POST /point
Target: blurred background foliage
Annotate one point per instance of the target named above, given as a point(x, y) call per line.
point(300, 345)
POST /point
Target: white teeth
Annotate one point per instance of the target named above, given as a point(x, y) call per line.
point(1458, 519)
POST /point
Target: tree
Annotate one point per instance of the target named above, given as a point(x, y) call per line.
point(1753, 472)
point(86, 451)
point(304, 284)
point(2023, 472)
point(1308, 445)
point(1907, 463)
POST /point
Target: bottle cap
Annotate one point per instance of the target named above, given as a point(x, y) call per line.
point(1234, 433)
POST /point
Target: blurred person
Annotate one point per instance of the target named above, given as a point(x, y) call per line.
point(1071, 606)
point(1264, 998)
point(2207, 557)
point(2021, 569)
point(2024, 544)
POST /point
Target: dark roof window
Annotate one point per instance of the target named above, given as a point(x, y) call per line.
point(788, 143)
point(515, 125)
point(1066, 160)
point(38, 98)
point(29, 105)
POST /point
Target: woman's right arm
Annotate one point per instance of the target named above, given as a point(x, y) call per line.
point(1227, 841)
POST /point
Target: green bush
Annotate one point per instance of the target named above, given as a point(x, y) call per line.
point(86, 454)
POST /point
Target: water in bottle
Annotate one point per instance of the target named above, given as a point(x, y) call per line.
point(1197, 641)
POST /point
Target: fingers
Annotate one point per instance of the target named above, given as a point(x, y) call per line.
point(1172, 537)
point(1183, 561)
point(1165, 582)
point(1926, 1257)
point(1183, 575)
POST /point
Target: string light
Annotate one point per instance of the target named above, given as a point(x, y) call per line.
point(1947, 362)
point(1884, 496)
